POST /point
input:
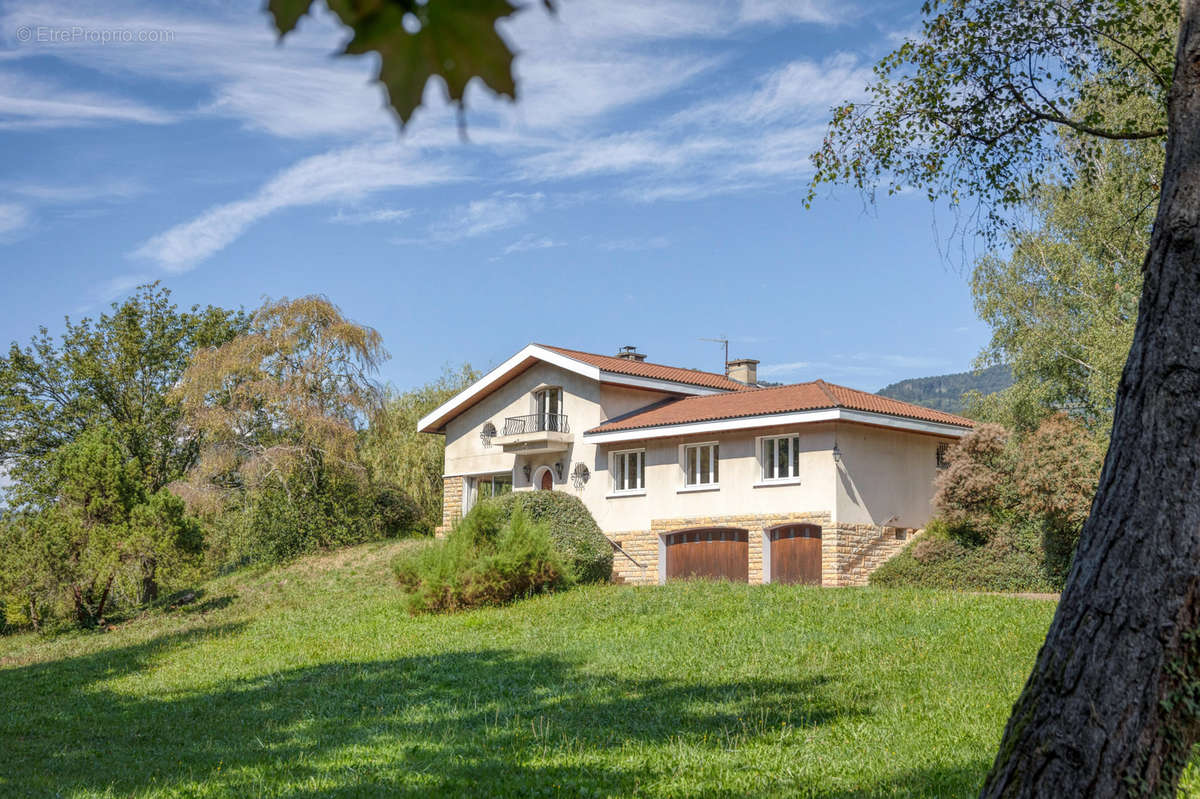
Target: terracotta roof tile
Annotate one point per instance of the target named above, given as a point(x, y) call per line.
point(816, 395)
point(692, 377)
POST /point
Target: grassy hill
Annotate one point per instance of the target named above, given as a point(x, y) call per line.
point(312, 681)
point(944, 392)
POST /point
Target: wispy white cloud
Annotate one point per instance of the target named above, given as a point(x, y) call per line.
point(71, 194)
point(500, 211)
point(787, 368)
point(860, 364)
point(119, 285)
point(635, 244)
point(31, 103)
point(588, 79)
point(295, 90)
point(340, 175)
point(781, 11)
point(588, 60)
point(14, 218)
point(902, 361)
point(532, 242)
point(734, 141)
point(806, 86)
point(372, 215)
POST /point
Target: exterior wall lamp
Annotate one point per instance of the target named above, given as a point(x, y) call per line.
point(526, 470)
point(558, 469)
point(837, 453)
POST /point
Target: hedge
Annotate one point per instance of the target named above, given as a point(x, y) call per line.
point(934, 559)
point(576, 536)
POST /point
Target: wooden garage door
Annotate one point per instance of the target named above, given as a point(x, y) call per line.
point(715, 553)
point(796, 554)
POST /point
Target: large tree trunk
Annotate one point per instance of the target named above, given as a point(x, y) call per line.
point(1111, 708)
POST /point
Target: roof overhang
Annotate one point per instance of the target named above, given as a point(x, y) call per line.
point(435, 421)
point(776, 420)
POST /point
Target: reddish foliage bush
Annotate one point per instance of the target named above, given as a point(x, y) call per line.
point(977, 488)
point(1005, 491)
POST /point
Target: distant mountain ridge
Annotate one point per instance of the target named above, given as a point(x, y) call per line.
point(944, 392)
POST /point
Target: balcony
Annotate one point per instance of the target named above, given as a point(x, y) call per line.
point(537, 432)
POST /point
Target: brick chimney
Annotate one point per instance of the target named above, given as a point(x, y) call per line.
point(743, 370)
point(630, 353)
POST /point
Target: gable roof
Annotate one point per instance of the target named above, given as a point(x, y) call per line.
point(655, 371)
point(601, 368)
point(817, 395)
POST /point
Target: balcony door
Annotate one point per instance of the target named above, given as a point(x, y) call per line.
point(548, 408)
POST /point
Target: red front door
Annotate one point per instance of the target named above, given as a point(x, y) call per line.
point(547, 481)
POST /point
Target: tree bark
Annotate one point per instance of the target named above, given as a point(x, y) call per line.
point(1112, 707)
point(99, 614)
point(149, 580)
point(82, 616)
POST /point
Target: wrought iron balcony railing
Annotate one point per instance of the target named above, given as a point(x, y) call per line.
point(536, 423)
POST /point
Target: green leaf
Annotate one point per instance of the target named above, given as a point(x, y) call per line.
point(287, 13)
point(454, 39)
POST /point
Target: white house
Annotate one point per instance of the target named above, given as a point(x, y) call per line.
point(693, 473)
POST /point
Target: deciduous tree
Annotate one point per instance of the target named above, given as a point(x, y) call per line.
point(978, 107)
point(1061, 298)
point(117, 371)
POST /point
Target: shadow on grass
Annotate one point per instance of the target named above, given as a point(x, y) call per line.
point(479, 723)
point(946, 782)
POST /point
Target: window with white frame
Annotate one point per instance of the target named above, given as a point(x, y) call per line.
point(780, 457)
point(700, 464)
point(628, 471)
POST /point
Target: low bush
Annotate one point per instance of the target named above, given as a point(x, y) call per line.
point(934, 559)
point(281, 522)
point(489, 558)
point(573, 530)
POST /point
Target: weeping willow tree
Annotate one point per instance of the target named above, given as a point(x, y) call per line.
point(280, 409)
point(396, 452)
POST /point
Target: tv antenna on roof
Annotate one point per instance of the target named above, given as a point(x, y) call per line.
point(725, 341)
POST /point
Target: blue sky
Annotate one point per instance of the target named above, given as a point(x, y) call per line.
point(646, 189)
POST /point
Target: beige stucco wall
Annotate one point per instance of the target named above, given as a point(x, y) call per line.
point(586, 404)
point(885, 474)
point(740, 488)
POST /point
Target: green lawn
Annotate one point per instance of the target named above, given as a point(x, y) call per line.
point(312, 681)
